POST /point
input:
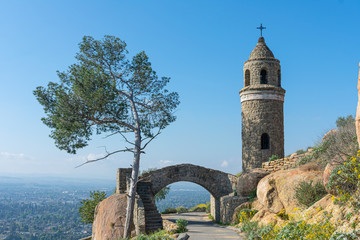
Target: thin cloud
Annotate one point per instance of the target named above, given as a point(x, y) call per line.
point(164, 163)
point(19, 156)
point(224, 164)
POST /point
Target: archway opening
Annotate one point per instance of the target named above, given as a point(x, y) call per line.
point(265, 141)
point(247, 77)
point(184, 196)
point(263, 77)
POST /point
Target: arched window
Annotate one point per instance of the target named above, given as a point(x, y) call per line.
point(263, 77)
point(279, 78)
point(247, 77)
point(265, 141)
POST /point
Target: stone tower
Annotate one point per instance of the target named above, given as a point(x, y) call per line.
point(262, 100)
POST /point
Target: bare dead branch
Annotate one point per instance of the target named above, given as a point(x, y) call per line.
point(116, 133)
point(159, 131)
point(106, 156)
point(126, 139)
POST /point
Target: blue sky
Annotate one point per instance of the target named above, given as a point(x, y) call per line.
point(202, 46)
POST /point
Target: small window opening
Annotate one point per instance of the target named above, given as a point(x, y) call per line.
point(247, 77)
point(279, 78)
point(265, 141)
point(263, 77)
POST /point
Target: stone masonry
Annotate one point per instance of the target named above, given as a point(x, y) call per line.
point(262, 100)
point(220, 185)
point(284, 163)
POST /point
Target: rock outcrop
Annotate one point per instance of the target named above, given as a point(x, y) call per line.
point(248, 181)
point(110, 218)
point(342, 217)
point(276, 192)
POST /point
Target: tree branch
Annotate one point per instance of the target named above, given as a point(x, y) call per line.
point(151, 139)
point(106, 156)
point(127, 139)
point(116, 133)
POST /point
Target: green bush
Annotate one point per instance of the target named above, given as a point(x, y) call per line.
point(308, 193)
point(305, 160)
point(207, 210)
point(198, 208)
point(273, 158)
point(182, 209)
point(300, 151)
point(292, 230)
point(169, 210)
point(302, 230)
point(87, 208)
point(181, 223)
point(245, 215)
point(345, 180)
point(161, 235)
point(252, 195)
point(344, 236)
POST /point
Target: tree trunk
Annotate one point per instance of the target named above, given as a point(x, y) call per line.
point(357, 118)
point(134, 173)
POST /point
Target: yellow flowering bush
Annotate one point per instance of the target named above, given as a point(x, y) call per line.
point(345, 181)
point(245, 215)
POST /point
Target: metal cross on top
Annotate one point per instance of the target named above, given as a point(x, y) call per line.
point(261, 28)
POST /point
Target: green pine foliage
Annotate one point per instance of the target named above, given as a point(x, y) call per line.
point(87, 208)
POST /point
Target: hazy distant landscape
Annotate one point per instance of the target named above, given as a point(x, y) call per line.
point(47, 208)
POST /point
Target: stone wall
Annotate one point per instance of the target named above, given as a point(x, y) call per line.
point(284, 163)
point(228, 205)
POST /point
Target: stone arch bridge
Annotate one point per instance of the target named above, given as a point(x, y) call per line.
point(219, 184)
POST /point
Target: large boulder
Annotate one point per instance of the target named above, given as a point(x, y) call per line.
point(110, 217)
point(264, 217)
point(277, 190)
point(248, 181)
point(330, 134)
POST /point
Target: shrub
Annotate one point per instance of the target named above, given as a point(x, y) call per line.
point(161, 235)
point(238, 174)
point(302, 230)
point(87, 208)
point(198, 208)
point(169, 210)
point(292, 230)
point(344, 236)
point(252, 195)
point(273, 158)
point(308, 193)
point(245, 215)
point(300, 151)
point(342, 143)
point(345, 180)
point(282, 214)
point(254, 231)
point(181, 223)
point(305, 160)
point(182, 209)
point(207, 210)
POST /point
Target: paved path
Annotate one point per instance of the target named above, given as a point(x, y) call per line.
point(202, 228)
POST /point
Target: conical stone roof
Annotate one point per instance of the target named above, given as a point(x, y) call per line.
point(261, 51)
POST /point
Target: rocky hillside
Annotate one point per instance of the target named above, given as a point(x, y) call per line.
point(316, 199)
